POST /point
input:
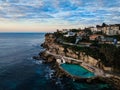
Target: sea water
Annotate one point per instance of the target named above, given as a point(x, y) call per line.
point(18, 71)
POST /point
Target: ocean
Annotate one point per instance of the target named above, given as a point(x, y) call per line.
point(18, 71)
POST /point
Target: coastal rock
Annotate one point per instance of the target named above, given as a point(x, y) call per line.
point(115, 81)
point(55, 48)
point(42, 45)
point(36, 57)
point(46, 57)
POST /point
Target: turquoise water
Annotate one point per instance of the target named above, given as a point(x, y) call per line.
point(77, 70)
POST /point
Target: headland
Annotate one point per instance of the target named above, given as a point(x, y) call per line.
point(94, 51)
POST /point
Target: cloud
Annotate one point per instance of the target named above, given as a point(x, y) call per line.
point(61, 11)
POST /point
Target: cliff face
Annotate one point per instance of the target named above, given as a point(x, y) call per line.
point(49, 40)
point(55, 48)
point(52, 46)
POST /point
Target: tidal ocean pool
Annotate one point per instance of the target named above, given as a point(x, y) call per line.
point(18, 71)
point(77, 70)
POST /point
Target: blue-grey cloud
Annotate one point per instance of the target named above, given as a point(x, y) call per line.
point(72, 11)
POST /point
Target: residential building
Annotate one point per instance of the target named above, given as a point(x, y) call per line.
point(99, 28)
point(65, 30)
point(95, 37)
point(81, 33)
point(111, 29)
point(93, 29)
point(69, 33)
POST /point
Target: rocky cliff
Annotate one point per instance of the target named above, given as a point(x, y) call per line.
point(52, 46)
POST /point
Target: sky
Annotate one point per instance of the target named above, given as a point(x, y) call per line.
point(49, 15)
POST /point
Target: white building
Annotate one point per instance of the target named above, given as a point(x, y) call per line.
point(93, 29)
point(70, 34)
point(111, 30)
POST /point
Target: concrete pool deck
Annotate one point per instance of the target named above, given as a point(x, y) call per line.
point(98, 72)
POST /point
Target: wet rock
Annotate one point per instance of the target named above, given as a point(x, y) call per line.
point(42, 45)
point(47, 58)
point(36, 57)
point(50, 58)
point(115, 82)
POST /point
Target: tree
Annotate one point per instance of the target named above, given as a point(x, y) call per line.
point(116, 61)
point(103, 25)
point(98, 26)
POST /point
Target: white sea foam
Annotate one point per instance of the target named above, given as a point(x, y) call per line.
point(38, 62)
point(49, 72)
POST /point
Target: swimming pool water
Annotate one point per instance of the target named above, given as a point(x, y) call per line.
point(77, 70)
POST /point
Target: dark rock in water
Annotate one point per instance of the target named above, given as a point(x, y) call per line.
point(50, 58)
point(36, 57)
point(42, 45)
point(47, 58)
point(43, 55)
